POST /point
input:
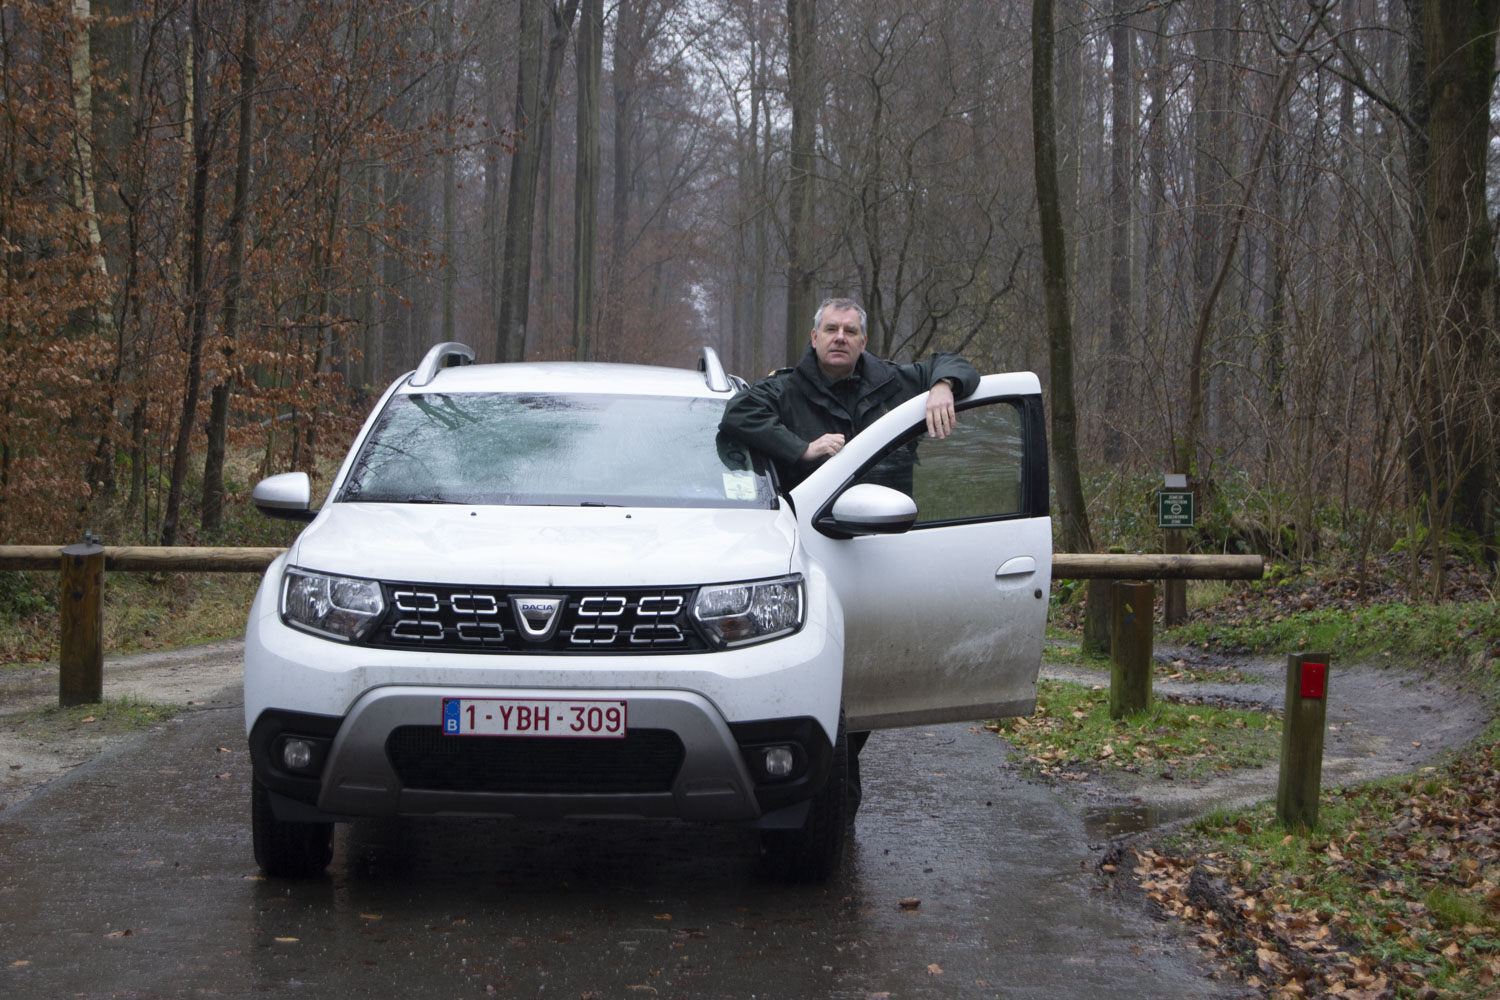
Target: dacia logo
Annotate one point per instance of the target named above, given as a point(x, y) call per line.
point(537, 616)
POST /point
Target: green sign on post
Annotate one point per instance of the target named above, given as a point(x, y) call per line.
point(1174, 509)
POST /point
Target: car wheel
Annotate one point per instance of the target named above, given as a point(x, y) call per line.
point(294, 850)
point(814, 852)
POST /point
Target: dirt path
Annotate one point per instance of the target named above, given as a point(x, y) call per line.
point(33, 753)
point(1382, 721)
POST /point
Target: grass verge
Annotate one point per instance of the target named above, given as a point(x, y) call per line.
point(110, 717)
point(1464, 631)
point(1071, 733)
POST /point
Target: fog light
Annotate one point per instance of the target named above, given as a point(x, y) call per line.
point(778, 761)
point(296, 754)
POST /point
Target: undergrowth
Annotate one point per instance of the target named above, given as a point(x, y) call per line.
point(1396, 892)
point(144, 611)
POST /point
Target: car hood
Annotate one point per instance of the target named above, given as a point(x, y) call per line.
point(547, 546)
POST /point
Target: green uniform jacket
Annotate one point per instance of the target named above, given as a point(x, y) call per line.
point(779, 415)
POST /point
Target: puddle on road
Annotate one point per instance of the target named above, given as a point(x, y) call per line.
point(1107, 822)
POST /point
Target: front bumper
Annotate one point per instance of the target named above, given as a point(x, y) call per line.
point(389, 757)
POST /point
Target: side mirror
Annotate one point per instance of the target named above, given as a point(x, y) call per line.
point(870, 509)
point(286, 496)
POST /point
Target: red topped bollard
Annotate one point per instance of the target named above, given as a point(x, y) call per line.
point(1303, 723)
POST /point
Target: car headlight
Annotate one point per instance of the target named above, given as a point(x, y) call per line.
point(737, 614)
point(338, 607)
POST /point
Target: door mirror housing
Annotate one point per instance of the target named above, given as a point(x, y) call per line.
point(287, 496)
point(869, 509)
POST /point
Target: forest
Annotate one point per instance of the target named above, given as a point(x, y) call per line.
point(1248, 243)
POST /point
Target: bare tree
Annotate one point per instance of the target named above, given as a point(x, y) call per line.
point(589, 58)
point(1452, 353)
point(535, 87)
point(802, 94)
point(212, 513)
point(1122, 134)
point(197, 303)
point(1064, 439)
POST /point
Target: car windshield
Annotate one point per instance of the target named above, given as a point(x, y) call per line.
point(575, 450)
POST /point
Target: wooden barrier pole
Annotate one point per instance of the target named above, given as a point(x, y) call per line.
point(149, 558)
point(1130, 637)
point(1302, 725)
point(1065, 565)
point(80, 678)
point(1147, 566)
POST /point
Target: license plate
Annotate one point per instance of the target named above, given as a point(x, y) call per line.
point(533, 717)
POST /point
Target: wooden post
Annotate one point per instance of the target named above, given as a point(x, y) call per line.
point(80, 678)
point(1096, 618)
point(1174, 592)
point(1302, 727)
point(1130, 635)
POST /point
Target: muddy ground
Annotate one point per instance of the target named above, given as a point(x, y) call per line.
point(34, 750)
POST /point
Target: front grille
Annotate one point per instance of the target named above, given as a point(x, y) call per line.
point(645, 761)
point(489, 620)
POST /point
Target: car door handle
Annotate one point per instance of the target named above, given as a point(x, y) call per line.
point(1018, 566)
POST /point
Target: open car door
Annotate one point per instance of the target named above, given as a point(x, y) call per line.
point(944, 612)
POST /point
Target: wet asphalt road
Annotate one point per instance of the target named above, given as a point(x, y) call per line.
point(133, 877)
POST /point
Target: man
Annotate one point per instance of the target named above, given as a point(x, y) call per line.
point(799, 417)
point(802, 416)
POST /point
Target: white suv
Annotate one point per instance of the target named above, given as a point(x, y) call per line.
point(557, 590)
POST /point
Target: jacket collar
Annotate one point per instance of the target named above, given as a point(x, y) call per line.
point(870, 372)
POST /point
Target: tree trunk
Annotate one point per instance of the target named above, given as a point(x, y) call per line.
point(589, 57)
point(1122, 132)
point(80, 69)
point(492, 201)
point(1210, 119)
point(533, 103)
point(211, 517)
point(451, 70)
point(760, 174)
point(1075, 523)
point(626, 53)
point(196, 317)
point(802, 90)
point(1455, 359)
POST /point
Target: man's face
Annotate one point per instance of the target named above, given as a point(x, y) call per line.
point(838, 342)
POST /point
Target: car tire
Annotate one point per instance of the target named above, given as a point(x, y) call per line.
point(293, 850)
point(814, 852)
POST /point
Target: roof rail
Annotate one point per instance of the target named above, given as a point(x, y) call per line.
point(446, 355)
point(713, 370)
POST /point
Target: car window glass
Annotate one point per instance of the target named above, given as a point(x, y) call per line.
point(976, 472)
point(507, 448)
